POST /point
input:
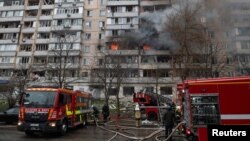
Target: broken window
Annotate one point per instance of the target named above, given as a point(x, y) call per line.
point(43, 36)
point(46, 12)
point(27, 36)
point(25, 48)
point(31, 13)
point(162, 59)
point(33, 2)
point(28, 24)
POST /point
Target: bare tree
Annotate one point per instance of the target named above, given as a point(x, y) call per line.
point(111, 73)
point(64, 61)
point(197, 49)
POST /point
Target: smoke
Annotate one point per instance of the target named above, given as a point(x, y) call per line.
point(152, 29)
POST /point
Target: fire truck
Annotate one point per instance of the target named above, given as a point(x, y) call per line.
point(215, 101)
point(150, 103)
point(53, 110)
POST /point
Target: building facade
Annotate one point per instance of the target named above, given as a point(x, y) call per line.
point(36, 36)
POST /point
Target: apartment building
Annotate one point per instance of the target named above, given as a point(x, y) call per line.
point(241, 27)
point(32, 32)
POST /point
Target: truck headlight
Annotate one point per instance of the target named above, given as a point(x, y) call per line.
point(52, 124)
point(19, 123)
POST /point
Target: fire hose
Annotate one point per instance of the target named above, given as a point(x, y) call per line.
point(171, 134)
point(158, 130)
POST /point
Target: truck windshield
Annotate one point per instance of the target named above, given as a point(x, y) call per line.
point(41, 99)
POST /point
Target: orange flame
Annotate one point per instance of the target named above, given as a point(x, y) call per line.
point(146, 47)
point(114, 46)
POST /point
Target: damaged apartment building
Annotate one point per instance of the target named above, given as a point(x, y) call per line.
point(86, 31)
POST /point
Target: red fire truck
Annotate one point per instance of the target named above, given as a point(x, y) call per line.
point(53, 110)
point(148, 103)
point(217, 101)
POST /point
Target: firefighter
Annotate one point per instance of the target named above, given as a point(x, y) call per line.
point(95, 113)
point(105, 112)
point(137, 116)
point(168, 121)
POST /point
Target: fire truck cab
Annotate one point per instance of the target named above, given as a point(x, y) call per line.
point(52, 110)
point(151, 103)
point(215, 101)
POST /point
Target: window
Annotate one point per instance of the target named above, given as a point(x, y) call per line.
point(84, 74)
point(90, 2)
point(128, 91)
point(102, 13)
point(245, 44)
point(25, 48)
point(24, 60)
point(166, 91)
point(15, 2)
point(85, 61)
point(101, 36)
point(43, 36)
point(45, 23)
point(102, 24)
point(5, 59)
point(149, 89)
point(114, 32)
point(89, 13)
point(86, 49)
point(87, 36)
point(41, 47)
point(88, 24)
point(100, 62)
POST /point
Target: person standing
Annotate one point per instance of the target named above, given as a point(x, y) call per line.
point(168, 121)
point(105, 112)
point(95, 113)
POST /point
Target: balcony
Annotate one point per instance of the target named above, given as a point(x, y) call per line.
point(7, 65)
point(13, 7)
point(45, 17)
point(38, 41)
point(7, 41)
point(9, 30)
point(122, 2)
point(35, 7)
point(24, 53)
point(40, 53)
point(124, 14)
point(43, 29)
point(65, 16)
point(8, 53)
point(155, 2)
point(28, 30)
point(10, 19)
point(120, 26)
point(47, 7)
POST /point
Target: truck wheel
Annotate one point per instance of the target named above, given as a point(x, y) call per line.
point(29, 133)
point(64, 128)
point(152, 116)
point(84, 122)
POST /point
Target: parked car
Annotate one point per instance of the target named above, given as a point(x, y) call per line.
point(9, 116)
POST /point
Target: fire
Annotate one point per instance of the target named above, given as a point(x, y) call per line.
point(146, 47)
point(114, 46)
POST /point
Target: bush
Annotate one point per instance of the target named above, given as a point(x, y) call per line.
point(3, 105)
